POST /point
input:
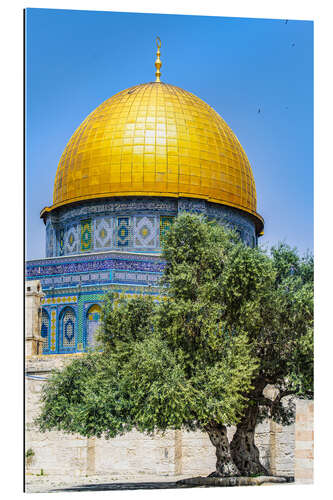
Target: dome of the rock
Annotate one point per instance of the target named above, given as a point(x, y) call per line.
point(155, 139)
point(140, 159)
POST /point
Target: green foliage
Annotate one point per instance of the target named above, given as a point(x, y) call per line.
point(125, 320)
point(145, 383)
point(283, 333)
point(232, 320)
point(29, 453)
point(267, 296)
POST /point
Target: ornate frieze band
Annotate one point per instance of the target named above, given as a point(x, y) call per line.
point(132, 224)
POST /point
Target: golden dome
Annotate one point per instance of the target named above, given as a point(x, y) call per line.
point(155, 139)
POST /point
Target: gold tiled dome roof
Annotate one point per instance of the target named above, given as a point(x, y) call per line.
point(155, 139)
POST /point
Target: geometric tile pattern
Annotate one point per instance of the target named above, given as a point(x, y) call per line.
point(165, 224)
point(131, 277)
point(71, 239)
point(77, 329)
point(94, 312)
point(86, 240)
point(83, 304)
point(61, 242)
point(59, 300)
point(145, 232)
point(50, 240)
point(68, 328)
point(93, 321)
point(44, 333)
point(53, 329)
point(54, 269)
point(123, 232)
point(103, 232)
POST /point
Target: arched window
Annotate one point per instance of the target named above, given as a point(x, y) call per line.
point(44, 332)
point(93, 321)
point(68, 330)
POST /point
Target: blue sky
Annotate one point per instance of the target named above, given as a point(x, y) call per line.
point(77, 59)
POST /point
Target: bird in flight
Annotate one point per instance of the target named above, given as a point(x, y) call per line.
point(258, 110)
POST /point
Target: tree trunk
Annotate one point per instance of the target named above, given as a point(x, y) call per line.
point(244, 452)
point(225, 466)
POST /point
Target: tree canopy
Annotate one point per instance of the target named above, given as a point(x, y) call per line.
point(231, 320)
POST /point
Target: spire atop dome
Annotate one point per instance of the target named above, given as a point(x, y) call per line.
point(158, 62)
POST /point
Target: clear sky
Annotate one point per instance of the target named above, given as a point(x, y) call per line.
point(77, 59)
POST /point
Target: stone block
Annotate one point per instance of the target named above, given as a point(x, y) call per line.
point(303, 473)
point(305, 453)
point(263, 427)
point(301, 435)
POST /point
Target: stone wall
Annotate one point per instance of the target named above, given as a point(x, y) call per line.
point(172, 454)
point(126, 456)
point(281, 449)
point(33, 317)
point(304, 441)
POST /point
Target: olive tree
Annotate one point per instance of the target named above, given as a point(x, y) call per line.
point(231, 319)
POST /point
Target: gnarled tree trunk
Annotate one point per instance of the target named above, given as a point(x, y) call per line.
point(225, 466)
point(244, 452)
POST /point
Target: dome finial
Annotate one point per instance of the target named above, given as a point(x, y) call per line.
point(158, 63)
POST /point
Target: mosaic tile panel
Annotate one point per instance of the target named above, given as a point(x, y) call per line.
point(45, 329)
point(72, 239)
point(59, 300)
point(165, 224)
point(86, 236)
point(145, 232)
point(61, 242)
point(92, 323)
point(53, 329)
point(88, 304)
point(40, 264)
point(104, 217)
point(103, 232)
point(68, 321)
point(130, 277)
point(115, 206)
point(58, 268)
point(50, 241)
point(83, 302)
point(123, 232)
point(191, 205)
